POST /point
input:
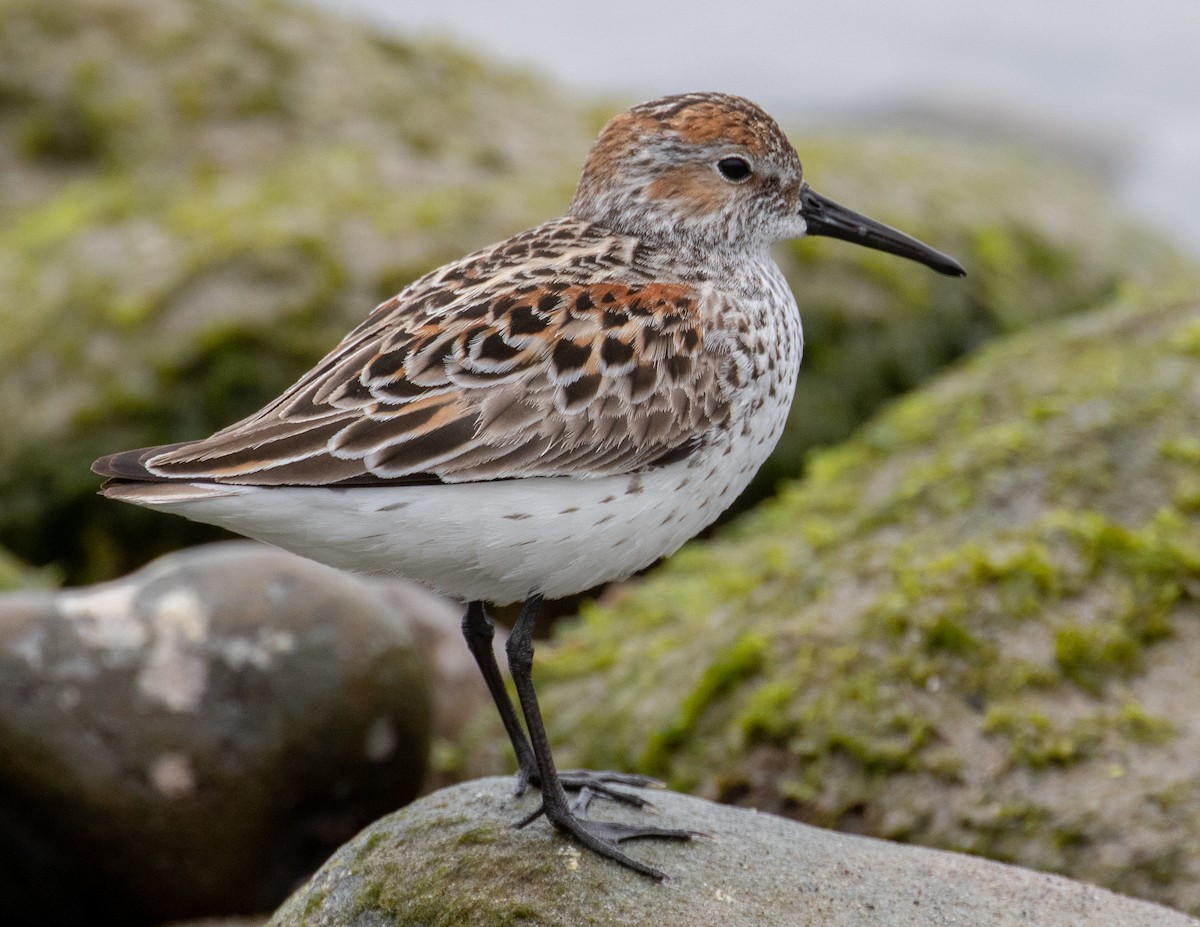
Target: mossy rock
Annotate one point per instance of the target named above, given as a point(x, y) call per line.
point(453, 859)
point(219, 86)
point(974, 626)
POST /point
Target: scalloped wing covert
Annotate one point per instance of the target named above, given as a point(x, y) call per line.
point(528, 359)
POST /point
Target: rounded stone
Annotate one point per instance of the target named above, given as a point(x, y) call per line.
point(453, 858)
point(196, 737)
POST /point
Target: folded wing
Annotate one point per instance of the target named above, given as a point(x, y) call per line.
point(463, 378)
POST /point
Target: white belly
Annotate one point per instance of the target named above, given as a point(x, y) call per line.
point(497, 541)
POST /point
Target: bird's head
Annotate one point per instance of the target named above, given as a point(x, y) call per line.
point(715, 170)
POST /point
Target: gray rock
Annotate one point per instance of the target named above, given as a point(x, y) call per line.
point(452, 858)
point(199, 735)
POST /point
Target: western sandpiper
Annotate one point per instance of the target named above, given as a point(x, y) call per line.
point(553, 412)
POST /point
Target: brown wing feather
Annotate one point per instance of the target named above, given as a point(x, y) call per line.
point(508, 376)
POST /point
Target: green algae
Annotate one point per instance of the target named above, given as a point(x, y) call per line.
point(313, 904)
point(738, 663)
point(1036, 741)
point(368, 847)
point(417, 893)
point(480, 835)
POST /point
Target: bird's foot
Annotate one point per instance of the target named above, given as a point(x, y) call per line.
point(606, 837)
point(588, 784)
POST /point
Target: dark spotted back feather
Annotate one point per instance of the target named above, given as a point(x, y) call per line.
point(546, 355)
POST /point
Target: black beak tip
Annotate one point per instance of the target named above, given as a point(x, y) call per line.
point(949, 267)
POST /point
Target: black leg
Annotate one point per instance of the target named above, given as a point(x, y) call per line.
point(600, 836)
point(478, 630)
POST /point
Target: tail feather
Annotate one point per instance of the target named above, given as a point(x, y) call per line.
point(131, 465)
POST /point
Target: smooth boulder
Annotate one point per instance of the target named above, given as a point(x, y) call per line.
point(195, 738)
point(453, 858)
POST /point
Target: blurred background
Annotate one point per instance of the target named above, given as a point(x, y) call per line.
point(1116, 82)
point(198, 198)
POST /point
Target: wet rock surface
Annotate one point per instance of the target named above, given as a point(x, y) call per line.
point(196, 737)
point(453, 858)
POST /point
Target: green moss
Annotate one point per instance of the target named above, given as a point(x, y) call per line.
point(14, 574)
point(1088, 655)
point(417, 893)
point(765, 718)
point(1137, 726)
point(1035, 740)
point(314, 903)
point(946, 635)
point(1184, 448)
point(369, 898)
point(369, 846)
point(734, 666)
point(894, 748)
point(1186, 339)
point(1001, 829)
point(68, 134)
point(1160, 869)
point(479, 835)
point(79, 124)
point(1174, 795)
point(1070, 838)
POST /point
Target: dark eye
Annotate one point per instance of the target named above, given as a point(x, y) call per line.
point(735, 169)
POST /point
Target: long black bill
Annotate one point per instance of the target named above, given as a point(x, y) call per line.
point(825, 217)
